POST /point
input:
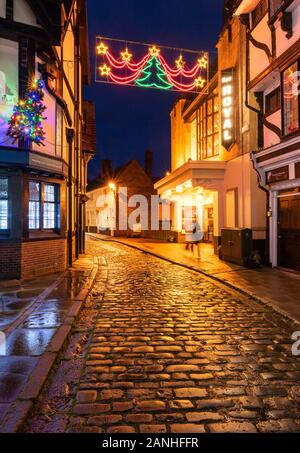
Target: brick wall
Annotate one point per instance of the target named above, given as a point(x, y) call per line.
point(10, 261)
point(43, 257)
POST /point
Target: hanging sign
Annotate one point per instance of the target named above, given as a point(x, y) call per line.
point(149, 66)
point(227, 93)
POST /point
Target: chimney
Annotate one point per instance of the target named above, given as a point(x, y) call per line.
point(106, 169)
point(149, 163)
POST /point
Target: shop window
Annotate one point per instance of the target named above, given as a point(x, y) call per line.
point(44, 206)
point(51, 207)
point(272, 101)
point(291, 99)
point(3, 203)
point(34, 205)
point(259, 12)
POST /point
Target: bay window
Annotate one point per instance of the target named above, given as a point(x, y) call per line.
point(44, 206)
point(3, 203)
point(291, 99)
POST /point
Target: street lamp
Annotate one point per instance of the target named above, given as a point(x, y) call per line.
point(113, 188)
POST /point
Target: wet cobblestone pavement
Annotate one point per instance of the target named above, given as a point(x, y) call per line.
point(159, 348)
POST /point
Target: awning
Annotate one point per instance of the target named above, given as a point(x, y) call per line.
point(207, 174)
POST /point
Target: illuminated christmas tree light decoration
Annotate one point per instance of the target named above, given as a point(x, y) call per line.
point(105, 70)
point(102, 49)
point(152, 69)
point(126, 55)
point(154, 51)
point(200, 82)
point(203, 62)
point(180, 63)
point(153, 75)
point(25, 123)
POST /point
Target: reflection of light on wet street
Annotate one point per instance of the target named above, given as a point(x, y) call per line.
point(29, 341)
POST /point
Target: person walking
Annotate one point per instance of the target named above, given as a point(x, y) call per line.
point(196, 236)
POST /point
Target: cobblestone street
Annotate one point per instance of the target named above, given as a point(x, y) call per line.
point(159, 348)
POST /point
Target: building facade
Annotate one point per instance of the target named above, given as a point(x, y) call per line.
point(273, 77)
point(43, 188)
point(212, 139)
point(117, 197)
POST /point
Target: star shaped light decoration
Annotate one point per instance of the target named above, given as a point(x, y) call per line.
point(126, 55)
point(154, 51)
point(203, 62)
point(180, 63)
point(200, 82)
point(105, 70)
point(102, 49)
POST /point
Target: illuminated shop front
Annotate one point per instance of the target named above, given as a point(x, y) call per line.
point(195, 190)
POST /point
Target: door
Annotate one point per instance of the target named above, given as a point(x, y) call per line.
point(289, 232)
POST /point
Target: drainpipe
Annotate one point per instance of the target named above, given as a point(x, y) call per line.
point(70, 138)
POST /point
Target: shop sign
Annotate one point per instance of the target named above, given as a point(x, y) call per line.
point(227, 95)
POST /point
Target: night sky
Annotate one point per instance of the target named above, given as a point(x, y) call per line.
point(131, 120)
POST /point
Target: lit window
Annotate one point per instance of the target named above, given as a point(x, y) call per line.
point(51, 206)
point(3, 203)
point(34, 205)
point(209, 124)
point(291, 99)
point(44, 208)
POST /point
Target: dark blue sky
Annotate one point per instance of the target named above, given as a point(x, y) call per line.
point(130, 120)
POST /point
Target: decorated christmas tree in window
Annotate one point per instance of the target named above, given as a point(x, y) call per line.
point(25, 123)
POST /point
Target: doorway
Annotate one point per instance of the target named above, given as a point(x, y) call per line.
point(289, 230)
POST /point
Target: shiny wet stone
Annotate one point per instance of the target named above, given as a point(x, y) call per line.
point(15, 304)
point(29, 342)
point(10, 386)
point(55, 305)
point(8, 318)
point(43, 320)
point(17, 365)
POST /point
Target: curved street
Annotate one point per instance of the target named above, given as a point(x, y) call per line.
point(160, 348)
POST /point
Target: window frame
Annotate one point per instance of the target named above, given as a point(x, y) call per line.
point(6, 230)
point(42, 202)
point(204, 136)
point(283, 125)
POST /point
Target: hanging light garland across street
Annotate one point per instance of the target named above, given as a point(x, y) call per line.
point(152, 70)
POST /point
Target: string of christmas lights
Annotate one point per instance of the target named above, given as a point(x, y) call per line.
point(152, 71)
